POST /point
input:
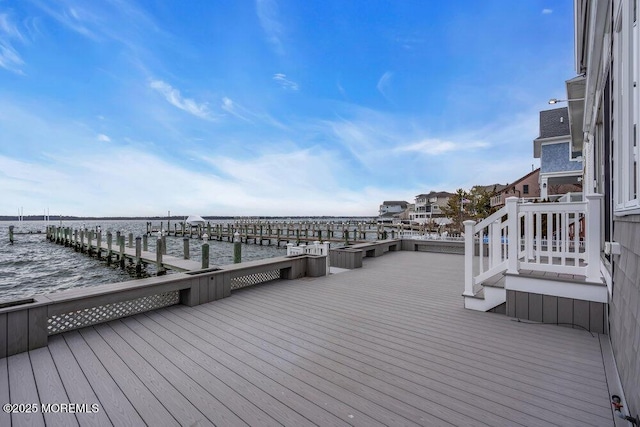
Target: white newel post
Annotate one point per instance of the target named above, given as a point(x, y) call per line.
point(495, 243)
point(468, 257)
point(512, 235)
point(592, 236)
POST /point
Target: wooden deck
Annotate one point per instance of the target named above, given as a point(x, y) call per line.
point(387, 344)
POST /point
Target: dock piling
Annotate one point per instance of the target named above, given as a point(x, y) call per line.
point(159, 266)
point(121, 260)
point(205, 251)
point(138, 256)
point(109, 244)
point(11, 234)
point(185, 241)
point(237, 248)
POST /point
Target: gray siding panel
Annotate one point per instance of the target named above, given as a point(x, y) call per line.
point(535, 307)
point(624, 310)
point(511, 303)
point(522, 305)
point(549, 309)
point(596, 317)
point(581, 313)
point(565, 311)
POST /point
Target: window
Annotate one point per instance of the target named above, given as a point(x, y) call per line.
point(525, 189)
point(625, 107)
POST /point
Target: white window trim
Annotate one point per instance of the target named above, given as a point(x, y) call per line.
point(626, 111)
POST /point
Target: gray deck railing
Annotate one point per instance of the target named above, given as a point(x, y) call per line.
point(26, 324)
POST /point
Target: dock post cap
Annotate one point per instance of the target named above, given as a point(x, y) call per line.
point(205, 237)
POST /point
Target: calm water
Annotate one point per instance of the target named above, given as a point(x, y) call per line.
point(33, 265)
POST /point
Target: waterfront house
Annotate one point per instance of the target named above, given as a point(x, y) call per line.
point(552, 273)
point(428, 206)
point(390, 210)
point(560, 160)
point(524, 188)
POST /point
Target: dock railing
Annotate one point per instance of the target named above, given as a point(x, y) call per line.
point(558, 237)
point(26, 324)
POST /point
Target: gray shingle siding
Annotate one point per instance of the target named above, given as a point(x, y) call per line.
point(554, 123)
point(624, 309)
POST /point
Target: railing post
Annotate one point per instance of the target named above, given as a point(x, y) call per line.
point(513, 237)
point(468, 257)
point(592, 236)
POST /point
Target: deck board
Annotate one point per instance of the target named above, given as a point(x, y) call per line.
point(75, 382)
point(147, 405)
point(50, 387)
point(23, 390)
point(387, 344)
point(5, 418)
point(113, 402)
point(255, 405)
point(404, 368)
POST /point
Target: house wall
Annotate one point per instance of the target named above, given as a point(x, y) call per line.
point(557, 158)
point(624, 308)
point(534, 190)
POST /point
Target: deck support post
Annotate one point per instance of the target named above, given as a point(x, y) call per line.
point(145, 243)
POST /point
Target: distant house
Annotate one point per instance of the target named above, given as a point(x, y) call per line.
point(525, 187)
point(429, 206)
point(560, 165)
point(390, 210)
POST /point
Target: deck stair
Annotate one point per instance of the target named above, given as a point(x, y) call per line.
point(534, 250)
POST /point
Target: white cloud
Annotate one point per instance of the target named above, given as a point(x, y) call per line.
point(267, 11)
point(284, 82)
point(10, 59)
point(103, 138)
point(436, 146)
point(547, 11)
point(174, 97)
point(383, 83)
point(234, 109)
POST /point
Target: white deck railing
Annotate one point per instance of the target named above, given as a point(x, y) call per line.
point(560, 237)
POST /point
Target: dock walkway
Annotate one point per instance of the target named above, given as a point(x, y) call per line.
point(386, 344)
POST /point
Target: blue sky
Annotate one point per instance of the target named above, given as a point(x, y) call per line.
point(269, 107)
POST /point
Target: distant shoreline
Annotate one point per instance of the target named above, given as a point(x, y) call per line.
point(53, 218)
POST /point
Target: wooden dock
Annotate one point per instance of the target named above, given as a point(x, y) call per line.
point(268, 232)
point(387, 344)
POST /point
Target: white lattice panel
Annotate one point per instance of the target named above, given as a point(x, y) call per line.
point(254, 279)
point(103, 313)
